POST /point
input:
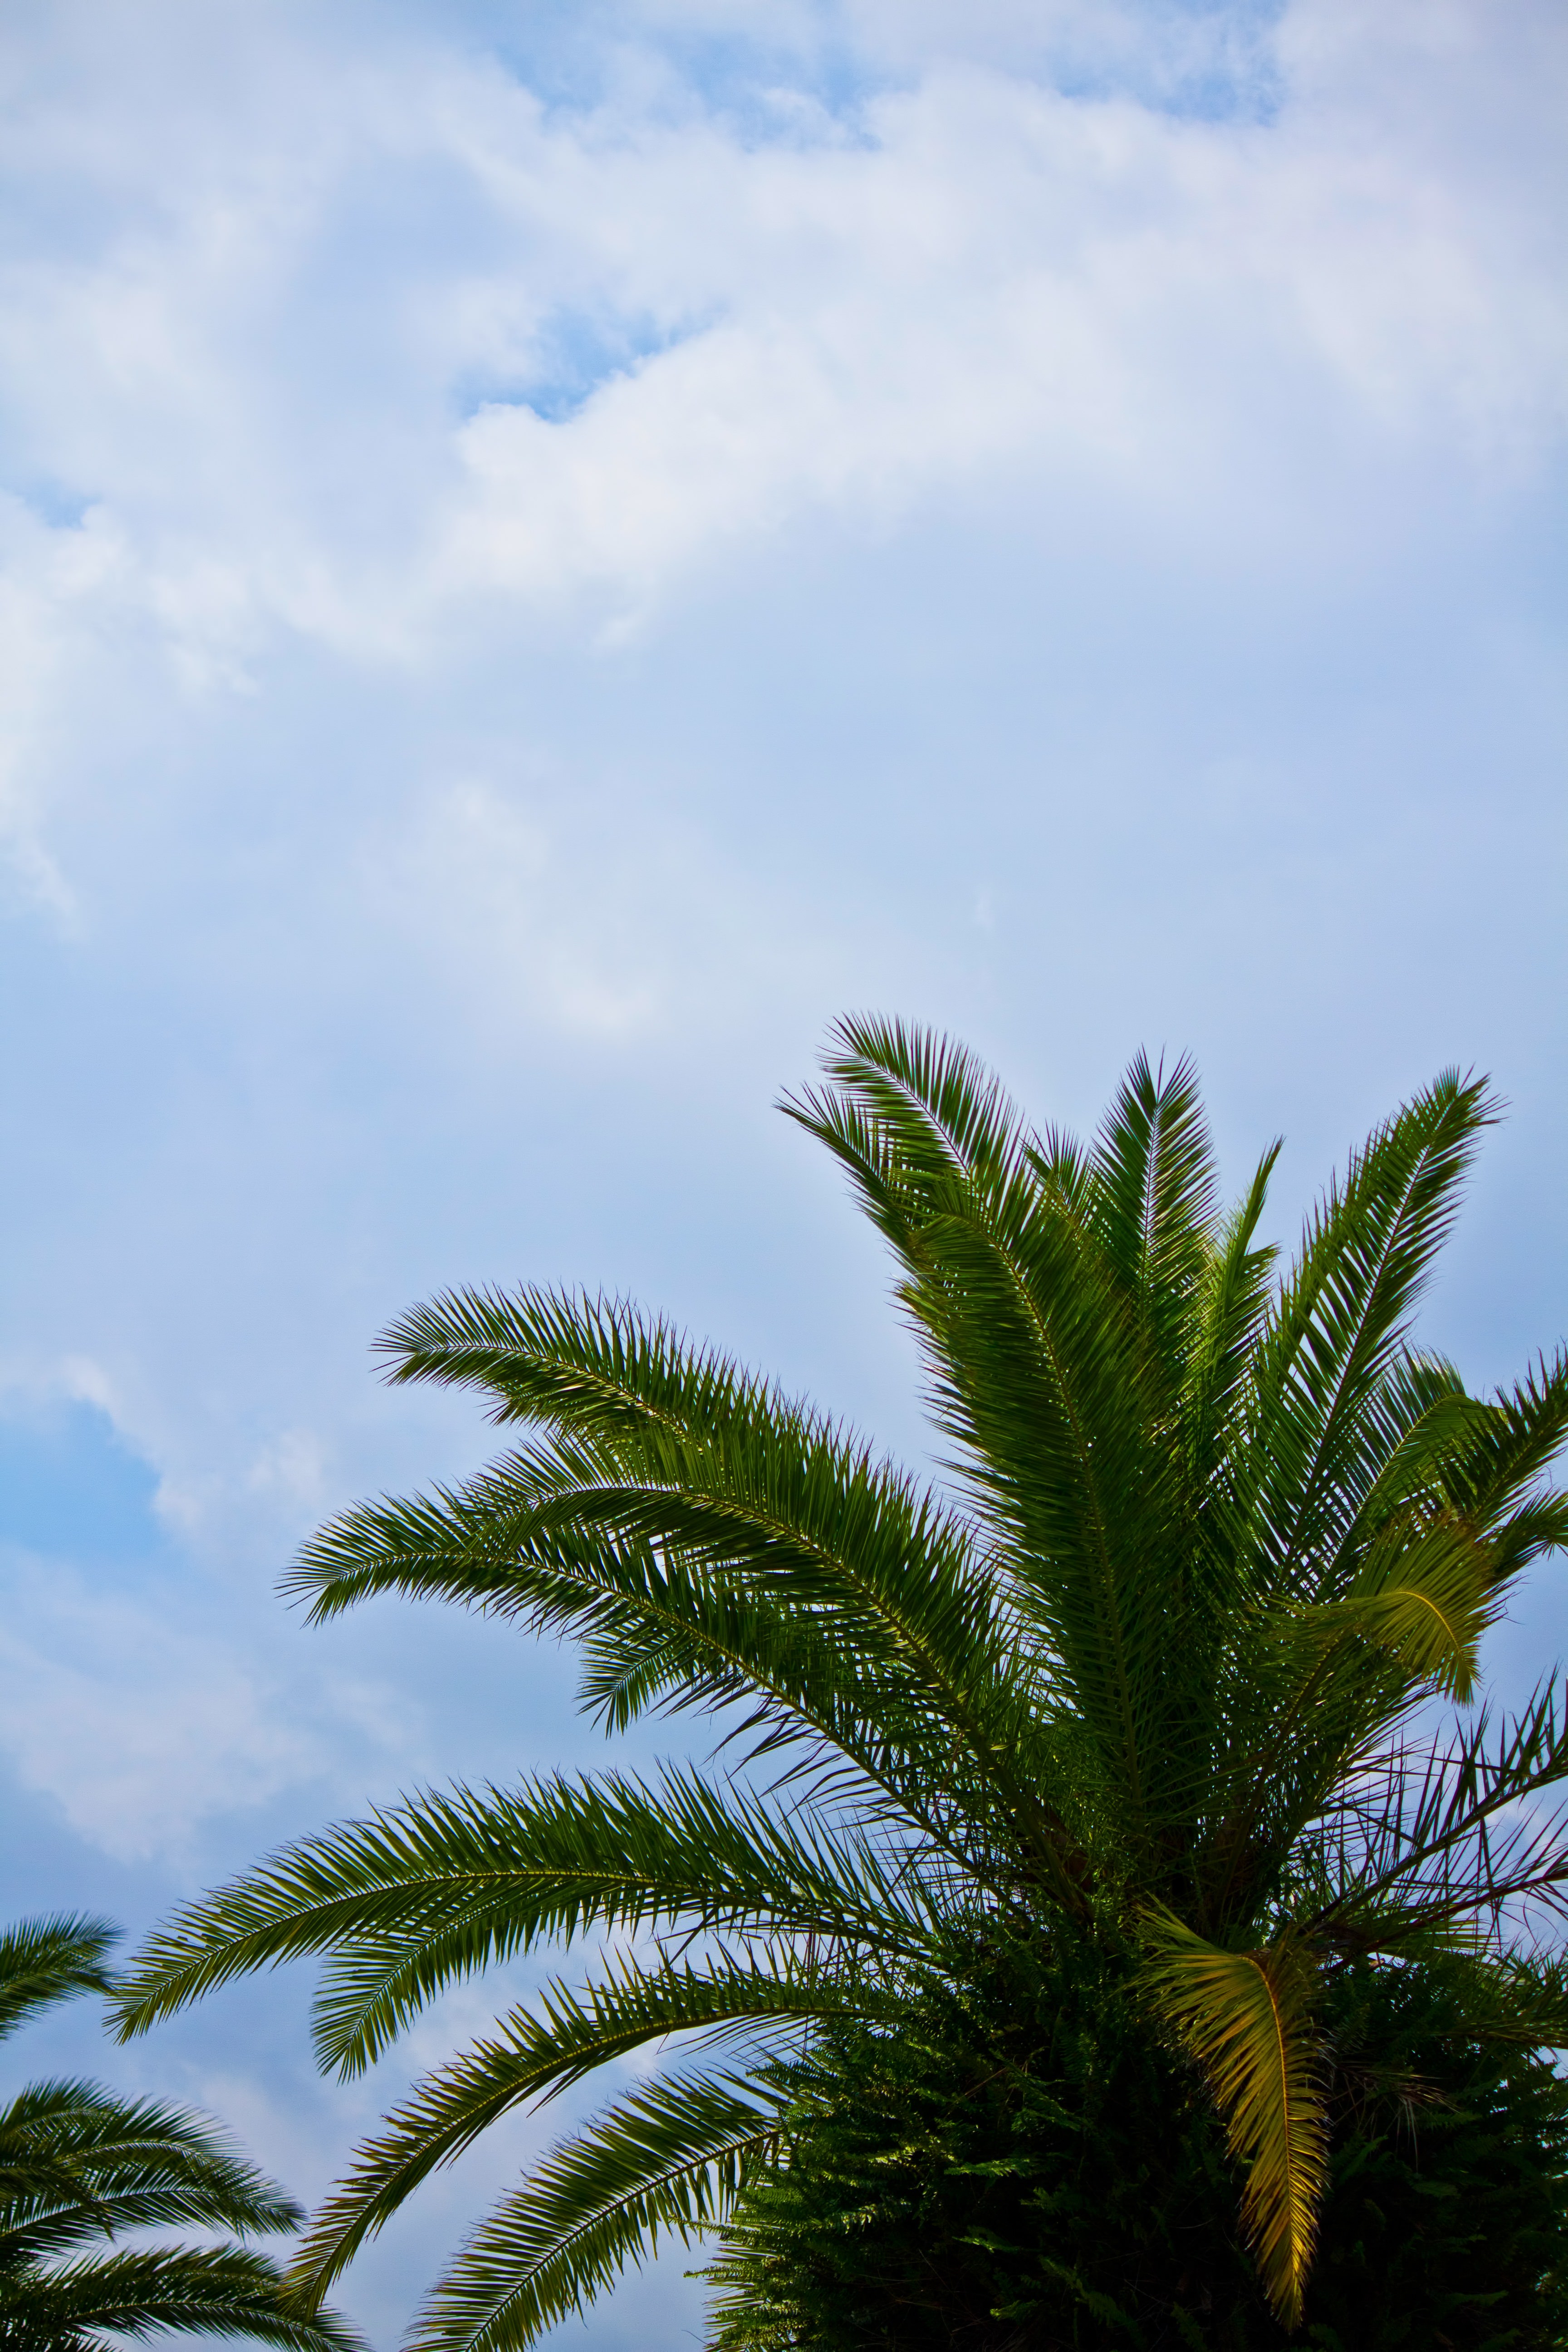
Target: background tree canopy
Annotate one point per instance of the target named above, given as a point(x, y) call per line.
point(1093, 1886)
point(81, 2170)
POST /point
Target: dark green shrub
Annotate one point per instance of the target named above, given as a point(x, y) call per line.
point(1025, 2166)
point(1448, 2222)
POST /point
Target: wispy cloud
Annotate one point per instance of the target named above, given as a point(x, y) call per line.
point(138, 1731)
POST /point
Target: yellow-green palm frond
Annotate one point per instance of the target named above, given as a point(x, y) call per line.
point(1247, 2020)
point(1425, 1595)
point(1428, 1602)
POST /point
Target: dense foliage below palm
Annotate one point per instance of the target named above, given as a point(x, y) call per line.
point(1021, 2168)
point(80, 2168)
point(1138, 1707)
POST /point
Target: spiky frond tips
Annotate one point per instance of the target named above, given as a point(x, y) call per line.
point(1135, 1700)
point(45, 1960)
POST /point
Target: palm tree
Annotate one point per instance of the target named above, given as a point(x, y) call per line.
point(1164, 1667)
point(79, 2167)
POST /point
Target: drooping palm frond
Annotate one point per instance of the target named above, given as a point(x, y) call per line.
point(409, 1903)
point(671, 1492)
point(538, 2052)
point(1247, 2018)
point(667, 2160)
point(1156, 1681)
point(78, 2165)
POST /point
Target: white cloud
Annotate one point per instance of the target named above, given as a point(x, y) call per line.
point(292, 1466)
point(964, 277)
point(144, 1734)
point(599, 924)
point(138, 1731)
point(469, 864)
point(321, 732)
point(145, 1713)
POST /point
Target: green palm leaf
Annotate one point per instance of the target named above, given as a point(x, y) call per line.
point(223, 2290)
point(1039, 1368)
point(537, 2052)
point(76, 2164)
point(1341, 1320)
point(45, 1960)
point(667, 2160)
point(410, 1902)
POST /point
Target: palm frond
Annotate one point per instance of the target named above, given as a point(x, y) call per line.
point(1498, 1473)
point(906, 1113)
point(1037, 1361)
point(779, 1566)
point(1156, 1203)
point(1342, 1318)
point(1427, 1595)
point(164, 2289)
point(45, 1960)
point(1231, 1309)
point(1247, 2020)
point(666, 2160)
point(409, 1902)
point(542, 2049)
point(1452, 1832)
point(76, 2163)
point(775, 1496)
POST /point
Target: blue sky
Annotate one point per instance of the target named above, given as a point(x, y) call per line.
point(549, 551)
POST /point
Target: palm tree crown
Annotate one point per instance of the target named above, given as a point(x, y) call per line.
point(79, 2167)
point(1157, 1664)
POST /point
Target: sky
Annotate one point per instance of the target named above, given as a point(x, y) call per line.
point(548, 550)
